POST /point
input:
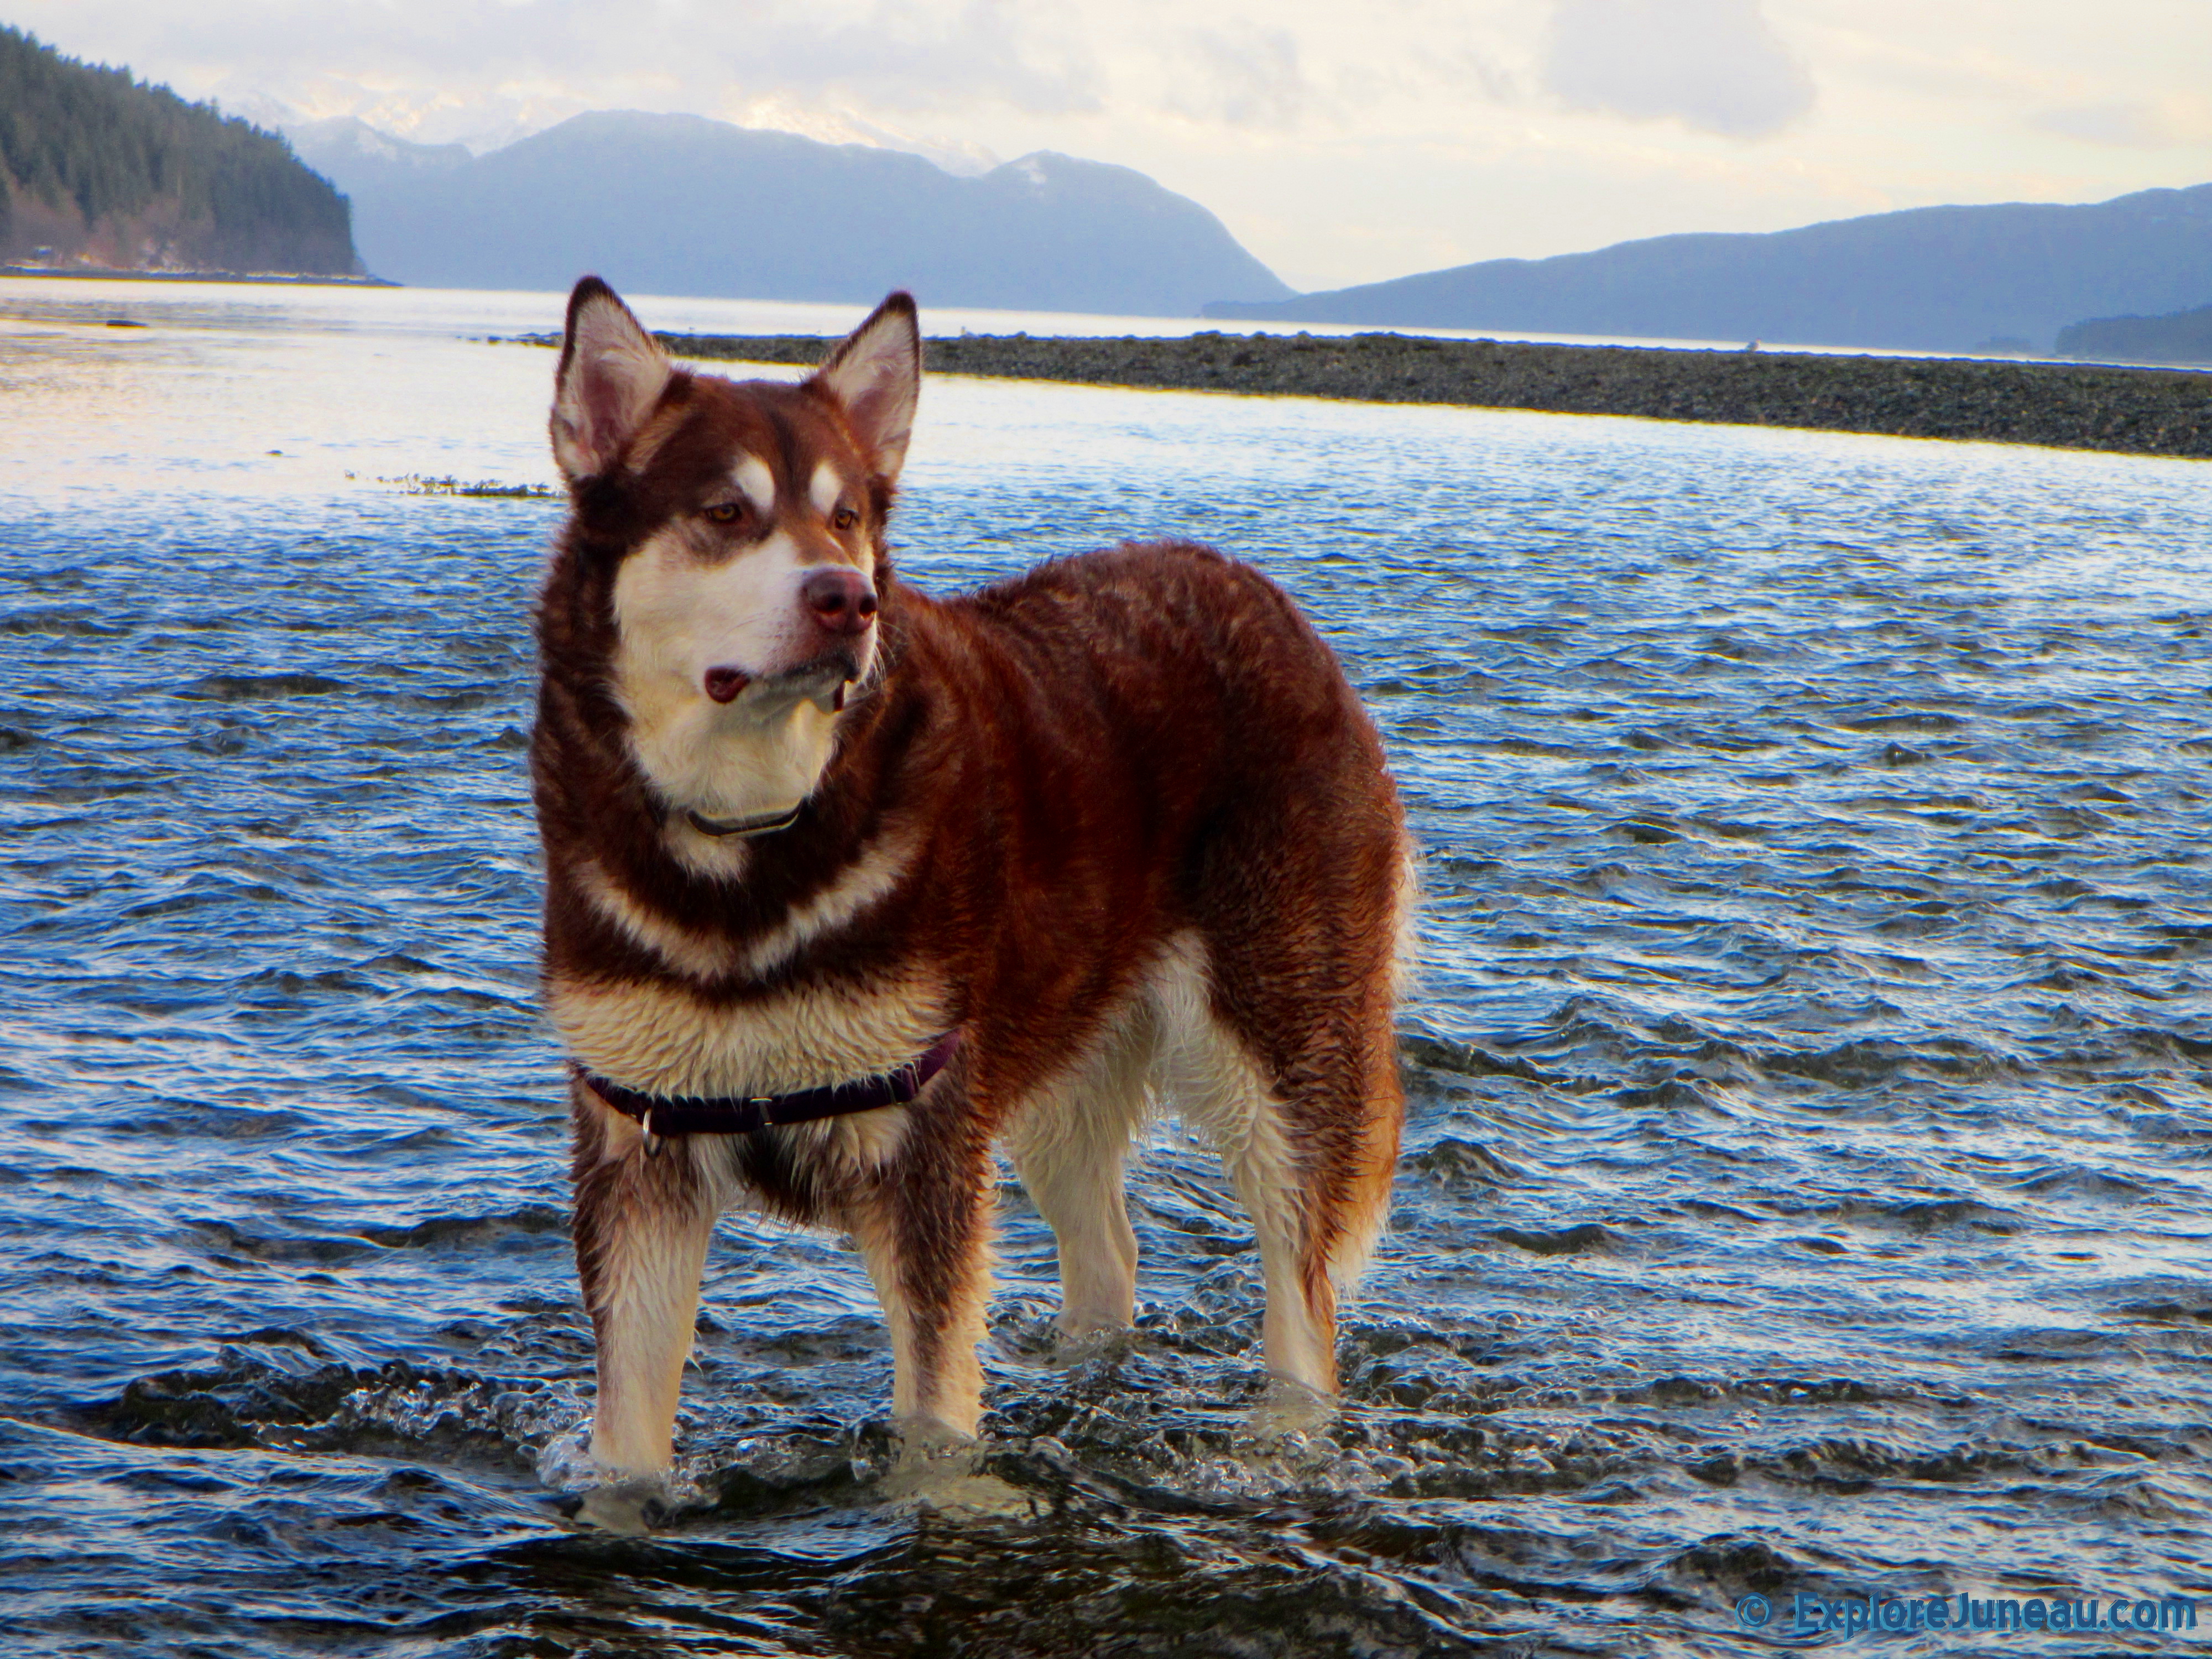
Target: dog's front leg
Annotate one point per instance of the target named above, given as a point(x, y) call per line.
point(644, 1212)
point(923, 1226)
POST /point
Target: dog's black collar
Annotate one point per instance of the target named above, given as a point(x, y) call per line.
point(767, 825)
point(659, 1115)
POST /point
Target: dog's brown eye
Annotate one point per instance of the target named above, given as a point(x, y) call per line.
point(844, 519)
point(725, 512)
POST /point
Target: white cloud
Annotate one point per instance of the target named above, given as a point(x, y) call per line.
point(1244, 77)
point(1716, 65)
point(2133, 123)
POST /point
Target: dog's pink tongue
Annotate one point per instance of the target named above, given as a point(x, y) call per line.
point(725, 683)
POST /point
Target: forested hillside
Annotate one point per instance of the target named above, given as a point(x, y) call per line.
point(2180, 337)
point(97, 170)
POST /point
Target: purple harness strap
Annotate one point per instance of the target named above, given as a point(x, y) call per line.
point(745, 1114)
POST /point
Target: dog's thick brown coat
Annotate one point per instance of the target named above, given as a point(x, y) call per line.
point(1115, 769)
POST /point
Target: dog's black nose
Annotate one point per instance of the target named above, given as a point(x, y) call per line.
point(841, 599)
point(723, 684)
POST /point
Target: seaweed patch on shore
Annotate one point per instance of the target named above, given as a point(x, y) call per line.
point(487, 489)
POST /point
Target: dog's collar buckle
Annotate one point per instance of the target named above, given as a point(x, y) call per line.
point(660, 1116)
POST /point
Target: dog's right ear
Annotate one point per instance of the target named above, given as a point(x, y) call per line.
point(611, 375)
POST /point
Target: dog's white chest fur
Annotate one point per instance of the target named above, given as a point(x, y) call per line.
point(659, 1037)
point(672, 1036)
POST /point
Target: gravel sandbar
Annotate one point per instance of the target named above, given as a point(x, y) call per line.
point(2145, 412)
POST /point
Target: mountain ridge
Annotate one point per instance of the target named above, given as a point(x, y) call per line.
point(1937, 278)
point(682, 205)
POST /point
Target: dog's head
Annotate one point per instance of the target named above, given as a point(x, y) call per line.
point(747, 519)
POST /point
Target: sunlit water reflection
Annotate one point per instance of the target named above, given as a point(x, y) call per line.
point(1810, 1172)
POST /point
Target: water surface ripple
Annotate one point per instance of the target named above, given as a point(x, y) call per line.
point(1809, 1174)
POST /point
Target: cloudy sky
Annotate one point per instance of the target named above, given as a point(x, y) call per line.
point(1341, 143)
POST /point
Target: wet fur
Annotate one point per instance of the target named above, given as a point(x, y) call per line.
point(1121, 821)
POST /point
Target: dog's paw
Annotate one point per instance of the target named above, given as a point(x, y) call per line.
point(630, 1508)
point(958, 1494)
point(941, 1470)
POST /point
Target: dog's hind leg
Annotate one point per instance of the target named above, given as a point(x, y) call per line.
point(1070, 1146)
point(643, 1218)
point(1308, 1146)
point(1217, 1087)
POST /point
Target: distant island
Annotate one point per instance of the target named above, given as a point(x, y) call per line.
point(2180, 337)
point(678, 204)
point(101, 172)
point(2001, 279)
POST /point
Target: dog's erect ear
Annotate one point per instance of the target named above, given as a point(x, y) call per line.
point(611, 375)
point(877, 375)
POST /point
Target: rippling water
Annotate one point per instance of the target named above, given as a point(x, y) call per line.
point(1809, 1174)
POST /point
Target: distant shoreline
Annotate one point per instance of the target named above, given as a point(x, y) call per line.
point(2139, 411)
point(80, 274)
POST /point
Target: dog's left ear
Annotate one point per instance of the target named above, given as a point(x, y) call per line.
point(876, 375)
point(611, 375)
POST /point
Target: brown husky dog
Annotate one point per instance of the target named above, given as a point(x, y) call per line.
point(846, 883)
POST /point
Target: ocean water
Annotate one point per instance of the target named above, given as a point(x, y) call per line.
point(1807, 1189)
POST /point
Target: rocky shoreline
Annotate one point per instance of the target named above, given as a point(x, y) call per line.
point(135, 274)
point(2144, 411)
